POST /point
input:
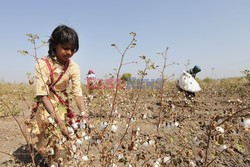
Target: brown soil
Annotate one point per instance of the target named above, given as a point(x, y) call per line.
point(217, 99)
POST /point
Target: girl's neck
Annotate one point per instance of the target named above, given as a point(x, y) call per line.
point(61, 62)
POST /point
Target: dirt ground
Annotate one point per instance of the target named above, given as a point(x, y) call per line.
point(185, 143)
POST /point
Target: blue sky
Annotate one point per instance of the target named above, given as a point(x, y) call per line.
point(214, 34)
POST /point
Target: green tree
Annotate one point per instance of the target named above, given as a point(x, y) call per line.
point(126, 76)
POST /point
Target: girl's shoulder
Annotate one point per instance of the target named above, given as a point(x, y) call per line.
point(41, 63)
point(73, 65)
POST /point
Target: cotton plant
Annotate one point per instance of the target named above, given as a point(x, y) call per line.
point(69, 146)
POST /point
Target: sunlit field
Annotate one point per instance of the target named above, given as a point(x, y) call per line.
point(207, 130)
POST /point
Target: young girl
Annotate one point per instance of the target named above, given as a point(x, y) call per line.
point(53, 75)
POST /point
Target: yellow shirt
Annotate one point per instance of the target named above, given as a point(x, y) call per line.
point(43, 77)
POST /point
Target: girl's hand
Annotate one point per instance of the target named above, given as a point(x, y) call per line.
point(64, 130)
point(86, 118)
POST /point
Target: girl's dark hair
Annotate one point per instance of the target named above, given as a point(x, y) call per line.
point(62, 35)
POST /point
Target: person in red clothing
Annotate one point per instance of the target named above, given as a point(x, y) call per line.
point(91, 80)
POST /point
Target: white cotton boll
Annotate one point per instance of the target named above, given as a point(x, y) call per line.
point(87, 138)
point(223, 147)
point(85, 158)
point(75, 125)
point(135, 146)
point(116, 147)
point(245, 123)
point(219, 121)
point(133, 119)
point(120, 156)
point(151, 142)
point(176, 124)
point(196, 141)
point(145, 144)
point(159, 160)
point(98, 141)
point(82, 125)
point(114, 128)
point(54, 165)
point(192, 164)
point(103, 125)
point(159, 125)
point(62, 140)
point(166, 159)
point(126, 125)
point(76, 156)
point(91, 126)
point(219, 129)
point(137, 131)
point(51, 120)
point(70, 130)
point(169, 126)
point(51, 151)
point(78, 142)
point(74, 148)
point(83, 134)
point(129, 165)
point(144, 116)
point(156, 164)
point(113, 165)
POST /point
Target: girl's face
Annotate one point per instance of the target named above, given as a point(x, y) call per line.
point(64, 52)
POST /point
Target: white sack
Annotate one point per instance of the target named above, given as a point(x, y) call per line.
point(188, 83)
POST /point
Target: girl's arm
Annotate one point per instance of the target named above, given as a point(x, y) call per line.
point(81, 106)
point(50, 109)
